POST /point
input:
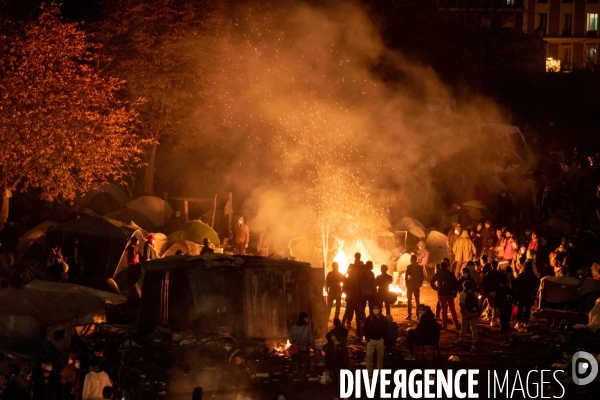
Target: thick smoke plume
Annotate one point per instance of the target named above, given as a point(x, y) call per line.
point(331, 128)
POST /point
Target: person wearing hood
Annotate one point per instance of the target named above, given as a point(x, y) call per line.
point(46, 383)
point(477, 240)
point(464, 250)
point(453, 235)
point(70, 377)
point(488, 240)
point(302, 336)
point(241, 237)
point(231, 349)
point(95, 382)
point(149, 251)
point(427, 330)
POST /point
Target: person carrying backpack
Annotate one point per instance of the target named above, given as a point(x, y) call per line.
point(445, 284)
point(414, 280)
point(469, 310)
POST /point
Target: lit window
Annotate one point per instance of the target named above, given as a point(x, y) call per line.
point(592, 22)
point(510, 2)
point(593, 53)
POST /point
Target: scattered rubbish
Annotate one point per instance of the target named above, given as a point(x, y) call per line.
point(157, 340)
point(454, 358)
point(559, 366)
point(534, 337)
point(162, 393)
point(176, 336)
point(262, 374)
point(579, 326)
point(184, 342)
point(316, 379)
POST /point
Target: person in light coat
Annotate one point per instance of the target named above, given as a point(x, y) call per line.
point(95, 382)
point(464, 251)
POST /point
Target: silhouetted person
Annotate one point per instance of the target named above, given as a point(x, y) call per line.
point(413, 277)
point(446, 286)
point(206, 247)
point(426, 330)
point(338, 330)
point(333, 285)
point(197, 393)
point(383, 281)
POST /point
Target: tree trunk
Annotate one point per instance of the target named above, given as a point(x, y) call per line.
point(149, 173)
point(5, 196)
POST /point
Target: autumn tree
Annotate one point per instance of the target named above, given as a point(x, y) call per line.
point(160, 49)
point(62, 128)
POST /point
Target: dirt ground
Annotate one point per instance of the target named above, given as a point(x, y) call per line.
point(172, 371)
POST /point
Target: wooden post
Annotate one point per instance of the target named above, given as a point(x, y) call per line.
point(214, 212)
point(186, 210)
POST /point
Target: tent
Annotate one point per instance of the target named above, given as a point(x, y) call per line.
point(26, 313)
point(102, 244)
point(156, 209)
point(257, 296)
point(107, 297)
point(188, 248)
point(413, 227)
point(32, 242)
point(107, 199)
point(557, 290)
point(436, 242)
point(195, 231)
point(131, 216)
point(477, 210)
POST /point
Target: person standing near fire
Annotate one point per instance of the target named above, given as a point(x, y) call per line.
point(241, 237)
point(264, 243)
point(413, 277)
point(333, 284)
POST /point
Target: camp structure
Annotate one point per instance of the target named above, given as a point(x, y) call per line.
point(107, 199)
point(47, 315)
point(561, 291)
point(255, 296)
point(101, 248)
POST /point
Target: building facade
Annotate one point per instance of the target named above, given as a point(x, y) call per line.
point(569, 27)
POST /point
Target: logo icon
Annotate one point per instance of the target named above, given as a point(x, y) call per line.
point(582, 363)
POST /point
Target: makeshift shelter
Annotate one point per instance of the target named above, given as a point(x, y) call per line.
point(48, 315)
point(156, 209)
point(257, 296)
point(186, 246)
point(107, 199)
point(558, 291)
point(31, 244)
point(195, 231)
point(101, 248)
point(413, 227)
point(477, 210)
point(55, 287)
point(131, 216)
point(436, 242)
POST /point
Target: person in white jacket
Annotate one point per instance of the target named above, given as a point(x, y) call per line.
point(95, 381)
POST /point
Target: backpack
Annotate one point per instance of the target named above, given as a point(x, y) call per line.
point(472, 303)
